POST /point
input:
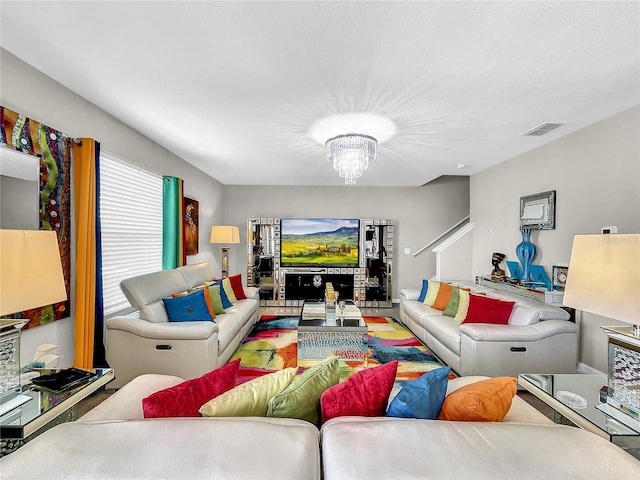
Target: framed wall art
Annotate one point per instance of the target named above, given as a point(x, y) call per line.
point(191, 226)
point(538, 212)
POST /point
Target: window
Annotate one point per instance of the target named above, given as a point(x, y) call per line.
point(131, 218)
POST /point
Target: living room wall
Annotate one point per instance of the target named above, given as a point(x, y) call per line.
point(420, 214)
point(28, 91)
point(596, 174)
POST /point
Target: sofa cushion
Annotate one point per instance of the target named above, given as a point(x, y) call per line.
point(250, 399)
point(484, 401)
point(364, 393)
point(484, 309)
point(188, 308)
point(236, 284)
point(301, 399)
point(186, 398)
point(421, 398)
point(445, 329)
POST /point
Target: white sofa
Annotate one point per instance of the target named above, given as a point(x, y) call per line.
point(146, 342)
point(538, 339)
point(113, 441)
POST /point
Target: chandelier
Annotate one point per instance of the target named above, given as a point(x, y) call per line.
point(351, 154)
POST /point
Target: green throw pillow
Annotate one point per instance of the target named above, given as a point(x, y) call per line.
point(454, 303)
point(301, 399)
point(216, 300)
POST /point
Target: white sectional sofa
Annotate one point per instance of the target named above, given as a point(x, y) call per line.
point(538, 339)
point(113, 441)
point(146, 342)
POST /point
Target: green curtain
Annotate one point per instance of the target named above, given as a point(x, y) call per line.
point(173, 253)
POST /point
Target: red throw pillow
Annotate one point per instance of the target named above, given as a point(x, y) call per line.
point(364, 393)
point(186, 398)
point(488, 310)
point(236, 285)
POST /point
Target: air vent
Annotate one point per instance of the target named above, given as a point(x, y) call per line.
point(541, 129)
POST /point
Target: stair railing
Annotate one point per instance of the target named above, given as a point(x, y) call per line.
point(442, 235)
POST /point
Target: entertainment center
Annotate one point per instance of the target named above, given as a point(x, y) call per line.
point(291, 259)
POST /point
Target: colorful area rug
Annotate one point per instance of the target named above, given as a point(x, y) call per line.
point(272, 346)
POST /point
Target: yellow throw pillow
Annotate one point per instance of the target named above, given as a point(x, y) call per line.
point(250, 399)
point(463, 305)
point(432, 293)
point(228, 289)
point(484, 401)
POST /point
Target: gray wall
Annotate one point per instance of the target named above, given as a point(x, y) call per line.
point(596, 174)
point(420, 214)
point(29, 92)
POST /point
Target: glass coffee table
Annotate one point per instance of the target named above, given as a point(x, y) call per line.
point(45, 409)
point(575, 400)
point(322, 332)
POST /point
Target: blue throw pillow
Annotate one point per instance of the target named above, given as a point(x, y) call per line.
point(188, 308)
point(421, 398)
point(423, 292)
point(223, 296)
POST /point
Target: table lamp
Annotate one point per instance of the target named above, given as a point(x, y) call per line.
point(30, 277)
point(225, 235)
point(604, 278)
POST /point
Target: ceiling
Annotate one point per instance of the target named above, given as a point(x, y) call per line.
point(236, 88)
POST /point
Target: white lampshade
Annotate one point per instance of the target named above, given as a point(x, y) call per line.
point(225, 234)
point(30, 270)
point(604, 276)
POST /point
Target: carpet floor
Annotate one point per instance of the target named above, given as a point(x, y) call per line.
point(272, 346)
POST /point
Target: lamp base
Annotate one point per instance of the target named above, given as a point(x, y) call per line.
point(225, 262)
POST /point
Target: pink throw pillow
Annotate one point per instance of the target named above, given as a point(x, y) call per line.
point(236, 285)
point(364, 393)
point(186, 398)
point(488, 310)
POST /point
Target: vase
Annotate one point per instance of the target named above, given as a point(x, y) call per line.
point(526, 252)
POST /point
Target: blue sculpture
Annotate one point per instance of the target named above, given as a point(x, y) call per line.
point(526, 252)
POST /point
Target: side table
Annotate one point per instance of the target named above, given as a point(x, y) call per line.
point(574, 398)
point(45, 410)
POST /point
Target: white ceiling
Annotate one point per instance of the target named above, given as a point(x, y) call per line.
point(235, 87)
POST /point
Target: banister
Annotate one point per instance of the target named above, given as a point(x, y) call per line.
point(442, 235)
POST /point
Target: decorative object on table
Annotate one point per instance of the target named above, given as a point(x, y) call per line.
point(539, 276)
point(191, 231)
point(515, 272)
point(538, 212)
point(28, 258)
point(604, 278)
point(225, 235)
point(497, 273)
point(526, 252)
point(559, 277)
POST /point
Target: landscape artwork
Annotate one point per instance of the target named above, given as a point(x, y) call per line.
point(319, 241)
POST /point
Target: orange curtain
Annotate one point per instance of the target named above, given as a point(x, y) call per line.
point(84, 189)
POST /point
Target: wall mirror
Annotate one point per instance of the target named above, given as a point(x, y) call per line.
point(19, 190)
point(538, 211)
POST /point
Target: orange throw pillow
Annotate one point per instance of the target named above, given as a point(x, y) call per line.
point(444, 295)
point(484, 401)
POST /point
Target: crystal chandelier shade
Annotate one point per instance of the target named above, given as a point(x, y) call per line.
point(351, 154)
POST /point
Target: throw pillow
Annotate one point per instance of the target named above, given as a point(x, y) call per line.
point(454, 302)
point(223, 295)
point(432, 293)
point(250, 399)
point(188, 308)
point(463, 307)
point(228, 289)
point(423, 291)
point(185, 399)
point(442, 299)
point(484, 309)
point(236, 284)
point(421, 398)
point(364, 393)
point(301, 399)
point(207, 299)
point(484, 401)
point(216, 299)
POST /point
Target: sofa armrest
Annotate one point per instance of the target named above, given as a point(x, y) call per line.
point(163, 331)
point(251, 292)
point(407, 294)
point(488, 332)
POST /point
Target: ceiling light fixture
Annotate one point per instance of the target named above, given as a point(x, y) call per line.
point(351, 155)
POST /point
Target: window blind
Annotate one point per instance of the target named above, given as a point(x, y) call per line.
point(131, 220)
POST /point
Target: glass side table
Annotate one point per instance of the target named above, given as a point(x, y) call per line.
point(574, 399)
point(45, 410)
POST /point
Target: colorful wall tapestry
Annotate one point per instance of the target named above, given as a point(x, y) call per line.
point(190, 226)
point(54, 149)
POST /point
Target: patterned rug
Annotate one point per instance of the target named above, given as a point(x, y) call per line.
point(271, 346)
